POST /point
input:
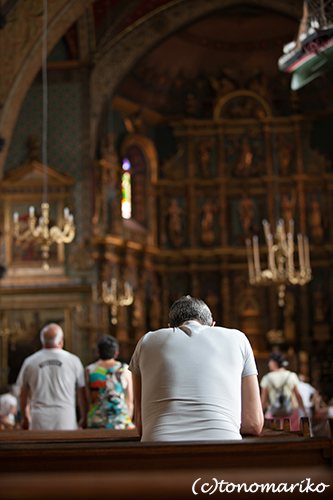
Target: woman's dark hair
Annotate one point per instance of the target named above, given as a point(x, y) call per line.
point(279, 358)
point(187, 308)
point(107, 346)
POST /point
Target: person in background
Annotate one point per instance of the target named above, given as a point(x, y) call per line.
point(52, 377)
point(109, 388)
point(8, 408)
point(270, 383)
point(307, 393)
point(194, 381)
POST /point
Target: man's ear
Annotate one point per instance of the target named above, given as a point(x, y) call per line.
point(116, 355)
point(169, 325)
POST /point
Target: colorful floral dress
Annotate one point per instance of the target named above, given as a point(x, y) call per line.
point(108, 407)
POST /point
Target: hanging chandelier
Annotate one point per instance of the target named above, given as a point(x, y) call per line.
point(41, 233)
point(111, 297)
point(281, 269)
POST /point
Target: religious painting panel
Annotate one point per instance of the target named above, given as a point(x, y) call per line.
point(248, 311)
point(205, 152)
point(246, 216)
point(176, 222)
point(207, 225)
point(284, 154)
point(317, 220)
point(245, 154)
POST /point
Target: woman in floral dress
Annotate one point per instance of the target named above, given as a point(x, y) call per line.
point(109, 388)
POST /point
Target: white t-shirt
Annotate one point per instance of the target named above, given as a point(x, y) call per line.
point(6, 402)
point(306, 391)
point(52, 375)
point(191, 382)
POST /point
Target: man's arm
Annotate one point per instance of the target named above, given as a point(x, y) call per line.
point(137, 402)
point(252, 414)
point(83, 406)
point(24, 407)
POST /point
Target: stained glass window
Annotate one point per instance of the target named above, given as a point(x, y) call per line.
point(126, 204)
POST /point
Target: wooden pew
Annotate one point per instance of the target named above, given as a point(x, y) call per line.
point(101, 450)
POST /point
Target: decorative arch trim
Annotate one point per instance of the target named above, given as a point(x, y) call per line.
point(240, 93)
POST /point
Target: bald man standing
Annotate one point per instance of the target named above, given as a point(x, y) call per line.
point(51, 378)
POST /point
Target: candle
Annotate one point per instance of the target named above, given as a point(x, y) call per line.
point(271, 263)
point(290, 253)
point(249, 259)
point(291, 228)
point(31, 212)
point(307, 253)
point(70, 218)
point(256, 254)
point(66, 212)
point(267, 228)
point(15, 217)
point(300, 251)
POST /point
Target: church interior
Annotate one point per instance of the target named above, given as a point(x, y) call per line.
point(151, 149)
point(160, 134)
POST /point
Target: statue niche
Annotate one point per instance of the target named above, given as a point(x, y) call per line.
point(175, 223)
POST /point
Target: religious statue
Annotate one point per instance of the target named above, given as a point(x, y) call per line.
point(175, 223)
point(315, 220)
point(207, 232)
point(285, 153)
point(205, 146)
point(246, 213)
point(245, 165)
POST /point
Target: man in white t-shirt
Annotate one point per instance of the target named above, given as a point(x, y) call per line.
point(51, 378)
point(194, 381)
point(8, 408)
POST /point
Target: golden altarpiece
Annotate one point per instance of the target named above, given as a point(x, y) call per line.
point(193, 213)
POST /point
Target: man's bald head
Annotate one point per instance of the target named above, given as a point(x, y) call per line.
point(52, 335)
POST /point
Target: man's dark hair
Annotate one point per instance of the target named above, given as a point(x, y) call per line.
point(187, 308)
point(107, 346)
